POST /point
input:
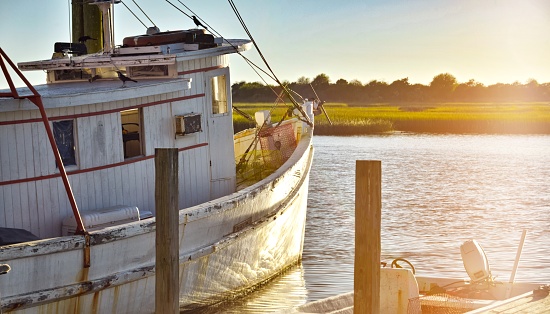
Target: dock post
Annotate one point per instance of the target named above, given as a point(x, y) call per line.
point(167, 225)
point(368, 214)
point(4, 269)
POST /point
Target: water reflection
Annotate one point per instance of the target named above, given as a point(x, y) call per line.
point(285, 291)
point(437, 192)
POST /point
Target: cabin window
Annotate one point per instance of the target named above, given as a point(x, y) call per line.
point(132, 132)
point(219, 94)
point(63, 132)
point(148, 71)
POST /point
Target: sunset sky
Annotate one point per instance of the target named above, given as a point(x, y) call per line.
point(487, 40)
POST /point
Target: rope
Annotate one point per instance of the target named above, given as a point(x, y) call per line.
point(134, 14)
point(189, 16)
point(296, 105)
point(137, 5)
point(243, 114)
point(250, 63)
point(254, 67)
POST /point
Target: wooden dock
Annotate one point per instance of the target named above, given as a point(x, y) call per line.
point(533, 302)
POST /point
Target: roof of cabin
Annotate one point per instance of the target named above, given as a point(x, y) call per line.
point(82, 92)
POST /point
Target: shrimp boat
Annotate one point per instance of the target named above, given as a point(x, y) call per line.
point(77, 222)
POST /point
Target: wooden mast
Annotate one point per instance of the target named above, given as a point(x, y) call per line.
point(87, 21)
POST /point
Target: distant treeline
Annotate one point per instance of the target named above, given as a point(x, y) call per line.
point(443, 88)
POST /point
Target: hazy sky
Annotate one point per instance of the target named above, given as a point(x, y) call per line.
point(487, 40)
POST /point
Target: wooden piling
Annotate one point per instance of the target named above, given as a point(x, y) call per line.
point(167, 224)
point(368, 213)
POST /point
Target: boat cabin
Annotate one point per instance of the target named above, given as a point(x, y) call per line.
point(107, 126)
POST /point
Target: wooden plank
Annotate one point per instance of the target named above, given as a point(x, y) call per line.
point(84, 197)
point(77, 191)
point(526, 303)
point(99, 192)
point(117, 137)
point(48, 193)
point(368, 205)
point(144, 184)
point(195, 191)
point(183, 179)
point(91, 191)
point(24, 209)
point(53, 206)
point(2, 206)
point(150, 185)
point(204, 173)
point(108, 138)
point(84, 140)
point(62, 200)
point(41, 215)
point(5, 173)
point(42, 167)
point(8, 210)
point(113, 188)
point(99, 148)
point(11, 160)
point(33, 208)
point(167, 239)
point(126, 185)
point(28, 146)
point(118, 183)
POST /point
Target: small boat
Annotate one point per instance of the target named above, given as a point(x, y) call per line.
point(402, 291)
point(77, 177)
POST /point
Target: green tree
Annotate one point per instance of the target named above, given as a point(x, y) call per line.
point(342, 82)
point(303, 81)
point(355, 82)
point(321, 81)
point(399, 89)
point(442, 86)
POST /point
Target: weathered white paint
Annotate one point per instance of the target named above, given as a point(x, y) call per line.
point(215, 261)
point(227, 245)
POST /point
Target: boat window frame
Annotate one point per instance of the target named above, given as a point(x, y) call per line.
point(55, 129)
point(140, 133)
point(210, 77)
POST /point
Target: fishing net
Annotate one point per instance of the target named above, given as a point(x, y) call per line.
point(278, 144)
point(275, 146)
point(445, 304)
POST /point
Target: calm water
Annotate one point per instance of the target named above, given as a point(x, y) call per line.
point(437, 192)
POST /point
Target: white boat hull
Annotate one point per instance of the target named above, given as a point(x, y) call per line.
point(227, 247)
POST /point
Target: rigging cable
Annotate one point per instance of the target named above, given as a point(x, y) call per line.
point(137, 5)
point(296, 105)
point(189, 16)
point(250, 63)
point(272, 76)
point(285, 89)
point(135, 15)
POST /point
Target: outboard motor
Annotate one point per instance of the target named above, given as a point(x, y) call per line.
point(475, 261)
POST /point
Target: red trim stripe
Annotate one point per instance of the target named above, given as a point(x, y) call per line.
point(200, 70)
point(118, 164)
point(97, 113)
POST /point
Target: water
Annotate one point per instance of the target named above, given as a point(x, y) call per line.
point(437, 192)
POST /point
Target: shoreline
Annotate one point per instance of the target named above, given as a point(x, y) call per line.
point(438, 118)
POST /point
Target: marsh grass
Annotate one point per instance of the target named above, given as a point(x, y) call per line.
point(355, 119)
